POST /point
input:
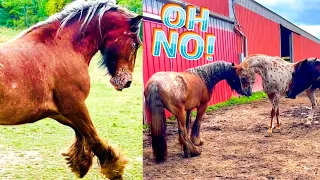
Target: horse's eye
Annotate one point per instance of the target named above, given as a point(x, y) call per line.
point(135, 45)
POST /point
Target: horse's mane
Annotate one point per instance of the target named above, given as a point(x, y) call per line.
point(70, 12)
point(212, 73)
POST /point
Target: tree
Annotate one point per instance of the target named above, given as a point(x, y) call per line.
point(54, 6)
point(132, 5)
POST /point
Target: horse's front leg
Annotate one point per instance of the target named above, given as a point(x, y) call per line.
point(112, 162)
point(195, 133)
point(79, 156)
point(311, 95)
point(274, 99)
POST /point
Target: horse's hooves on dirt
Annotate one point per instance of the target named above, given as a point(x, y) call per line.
point(276, 130)
point(186, 155)
point(308, 125)
point(197, 141)
point(268, 135)
point(193, 154)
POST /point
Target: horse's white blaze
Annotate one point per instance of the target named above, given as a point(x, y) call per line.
point(14, 85)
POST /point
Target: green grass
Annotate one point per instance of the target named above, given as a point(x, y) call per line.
point(238, 100)
point(33, 151)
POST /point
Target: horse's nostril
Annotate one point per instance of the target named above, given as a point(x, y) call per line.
point(128, 84)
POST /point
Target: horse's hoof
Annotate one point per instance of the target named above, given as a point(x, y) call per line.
point(195, 153)
point(268, 134)
point(197, 141)
point(308, 125)
point(186, 155)
point(186, 152)
point(276, 130)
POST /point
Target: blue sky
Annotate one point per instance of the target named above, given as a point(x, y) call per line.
point(303, 13)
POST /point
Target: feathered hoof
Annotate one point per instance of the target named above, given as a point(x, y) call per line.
point(78, 162)
point(195, 153)
point(197, 141)
point(114, 169)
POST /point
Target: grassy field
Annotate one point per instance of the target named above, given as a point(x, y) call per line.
point(33, 151)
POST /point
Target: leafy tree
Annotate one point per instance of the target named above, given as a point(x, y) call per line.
point(53, 6)
point(133, 5)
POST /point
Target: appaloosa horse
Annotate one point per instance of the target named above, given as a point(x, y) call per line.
point(306, 75)
point(180, 92)
point(276, 75)
point(44, 73)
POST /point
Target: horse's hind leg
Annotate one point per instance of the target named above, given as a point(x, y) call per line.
point(183, 135)
point(195, 133)
point(311, 95)
point(188, 120)
point(112, 162)
point(79, 156)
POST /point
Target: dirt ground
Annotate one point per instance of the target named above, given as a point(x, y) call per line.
point(236, 147)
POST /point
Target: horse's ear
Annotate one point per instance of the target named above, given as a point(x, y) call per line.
point(134, 22)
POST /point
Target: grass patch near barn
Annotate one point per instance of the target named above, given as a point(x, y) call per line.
point(33, 151)
point(238, 100)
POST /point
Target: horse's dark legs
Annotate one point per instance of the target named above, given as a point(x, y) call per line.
point(188, 120)
point(80, 155)
point(311, 95)
point(195, 133)
point(184, 137)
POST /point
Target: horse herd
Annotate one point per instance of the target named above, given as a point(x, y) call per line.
point(181, 92)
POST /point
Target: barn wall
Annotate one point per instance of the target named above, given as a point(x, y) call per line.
point(216, 6)
point(304, 48)
point(226, 49)
point(263, 35)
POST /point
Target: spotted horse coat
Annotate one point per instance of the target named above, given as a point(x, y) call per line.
point(276, 75)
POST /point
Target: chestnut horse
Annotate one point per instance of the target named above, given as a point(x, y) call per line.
point(276, 75)
point(180, 92)
point(306, 75)
point(44, 73)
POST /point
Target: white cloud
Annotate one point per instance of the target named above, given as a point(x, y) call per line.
point(295, 4)
point(312, 29)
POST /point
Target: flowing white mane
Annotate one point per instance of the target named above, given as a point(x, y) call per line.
point(92, 8)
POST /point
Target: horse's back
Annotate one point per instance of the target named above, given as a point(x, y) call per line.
point(178, 88)
point(276, 73)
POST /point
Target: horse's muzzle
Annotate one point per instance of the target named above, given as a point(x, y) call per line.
point(121, 80)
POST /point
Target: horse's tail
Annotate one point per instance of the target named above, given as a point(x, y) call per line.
point(155, 111)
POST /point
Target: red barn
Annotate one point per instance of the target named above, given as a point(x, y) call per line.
point(241, 27)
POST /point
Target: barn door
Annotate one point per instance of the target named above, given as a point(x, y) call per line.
point(286, 44)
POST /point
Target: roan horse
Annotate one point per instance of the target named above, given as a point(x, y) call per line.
point(180, 92)
point(306, 75)
point(44, 73)
point(276, 75)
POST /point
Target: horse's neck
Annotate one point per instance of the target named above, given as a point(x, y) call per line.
point(212, 73)
point(66, 40)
